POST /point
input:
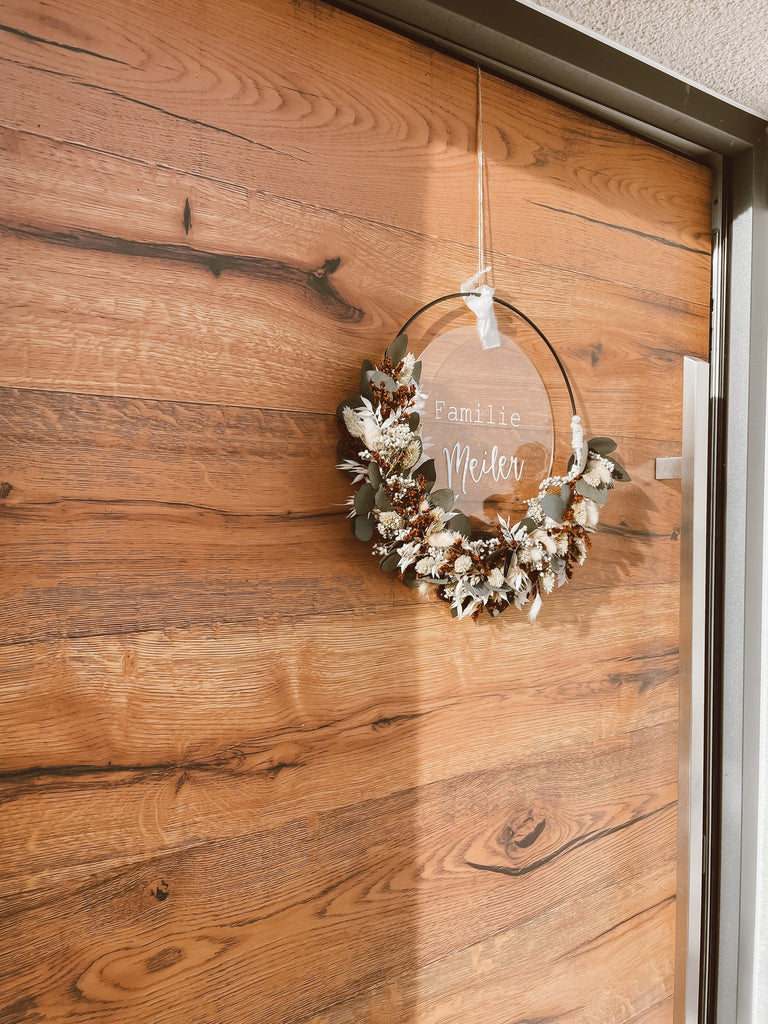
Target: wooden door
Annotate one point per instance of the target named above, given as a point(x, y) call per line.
point(246, 777)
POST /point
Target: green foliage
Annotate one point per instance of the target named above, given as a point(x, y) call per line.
point(444, 498)
point(602, 445)
point(397, 349)
point(362, 527)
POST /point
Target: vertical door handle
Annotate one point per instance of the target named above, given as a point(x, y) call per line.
point(694, 470)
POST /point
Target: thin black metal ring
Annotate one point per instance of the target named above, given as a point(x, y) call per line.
point(513, 309)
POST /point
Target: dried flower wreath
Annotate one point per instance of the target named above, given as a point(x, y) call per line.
point(420, 534)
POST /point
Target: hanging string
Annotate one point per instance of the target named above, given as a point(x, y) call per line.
point(481, 269)
point(479, 297)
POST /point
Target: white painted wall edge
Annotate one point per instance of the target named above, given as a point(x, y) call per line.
point(645, 12)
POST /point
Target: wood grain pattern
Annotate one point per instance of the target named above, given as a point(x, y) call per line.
point(244, 776)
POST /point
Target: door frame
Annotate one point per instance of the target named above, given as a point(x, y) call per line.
point(533, 48)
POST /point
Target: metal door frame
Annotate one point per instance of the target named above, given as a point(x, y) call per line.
point(534, 49)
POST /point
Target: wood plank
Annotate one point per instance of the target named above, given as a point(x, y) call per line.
point(367, 747)
point(122, 567)
point(47, 191)
point(191, 681)
point(477, 983)
point(63, 447)
point(119, 326)
point(310, 115)
point(125, 516)
point(45, 280)
point(364, 895)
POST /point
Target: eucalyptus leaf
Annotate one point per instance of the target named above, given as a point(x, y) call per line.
point(619, 473)
point(565, 495)
point(461, 524)
point(413, 421)
point(410, 579)
point(444, 498)
point(397, 349)
point(556, 563)
point(382, 502)
point(374, 475)
point(390, 562)
point(365, 387)
point(602, 445)
point(377, 377)
point(528, 524)
point(362, 527)
point(597, 494)
point(553, 506)
point(364, 499)
point(428, 471)
point(416, 375)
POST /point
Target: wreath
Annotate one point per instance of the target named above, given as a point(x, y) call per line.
point(429, 543)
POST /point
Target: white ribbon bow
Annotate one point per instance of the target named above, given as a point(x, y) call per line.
point(482, 306)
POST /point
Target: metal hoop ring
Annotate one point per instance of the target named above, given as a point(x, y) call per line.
point(512, 309)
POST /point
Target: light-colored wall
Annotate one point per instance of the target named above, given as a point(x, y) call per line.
point(718, 44)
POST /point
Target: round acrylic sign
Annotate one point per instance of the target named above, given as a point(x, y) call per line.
point(487, 422)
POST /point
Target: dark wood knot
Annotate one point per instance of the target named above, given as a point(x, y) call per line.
point(161, 891)
point(521, 831)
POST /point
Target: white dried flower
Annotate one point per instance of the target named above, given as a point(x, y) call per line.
point(408, 554)
point(412, 455)
point(517, 579)
point(441, 539)
point(581, 550)
point(593, 513)
point(535, 511)
point(352, 422)
point(438, 520)
point(547, 581)
point(406, 372)
point(392, 441)
point(592, 477)
point(463, 564)
point(599, 469)
point(531, 554)
point(389, 522)
point(546, 540)
point(350, 466)
point(496, 578)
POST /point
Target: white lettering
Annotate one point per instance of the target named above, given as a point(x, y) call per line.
point(459, 462)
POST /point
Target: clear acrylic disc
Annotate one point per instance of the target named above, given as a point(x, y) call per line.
point(487, 422)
